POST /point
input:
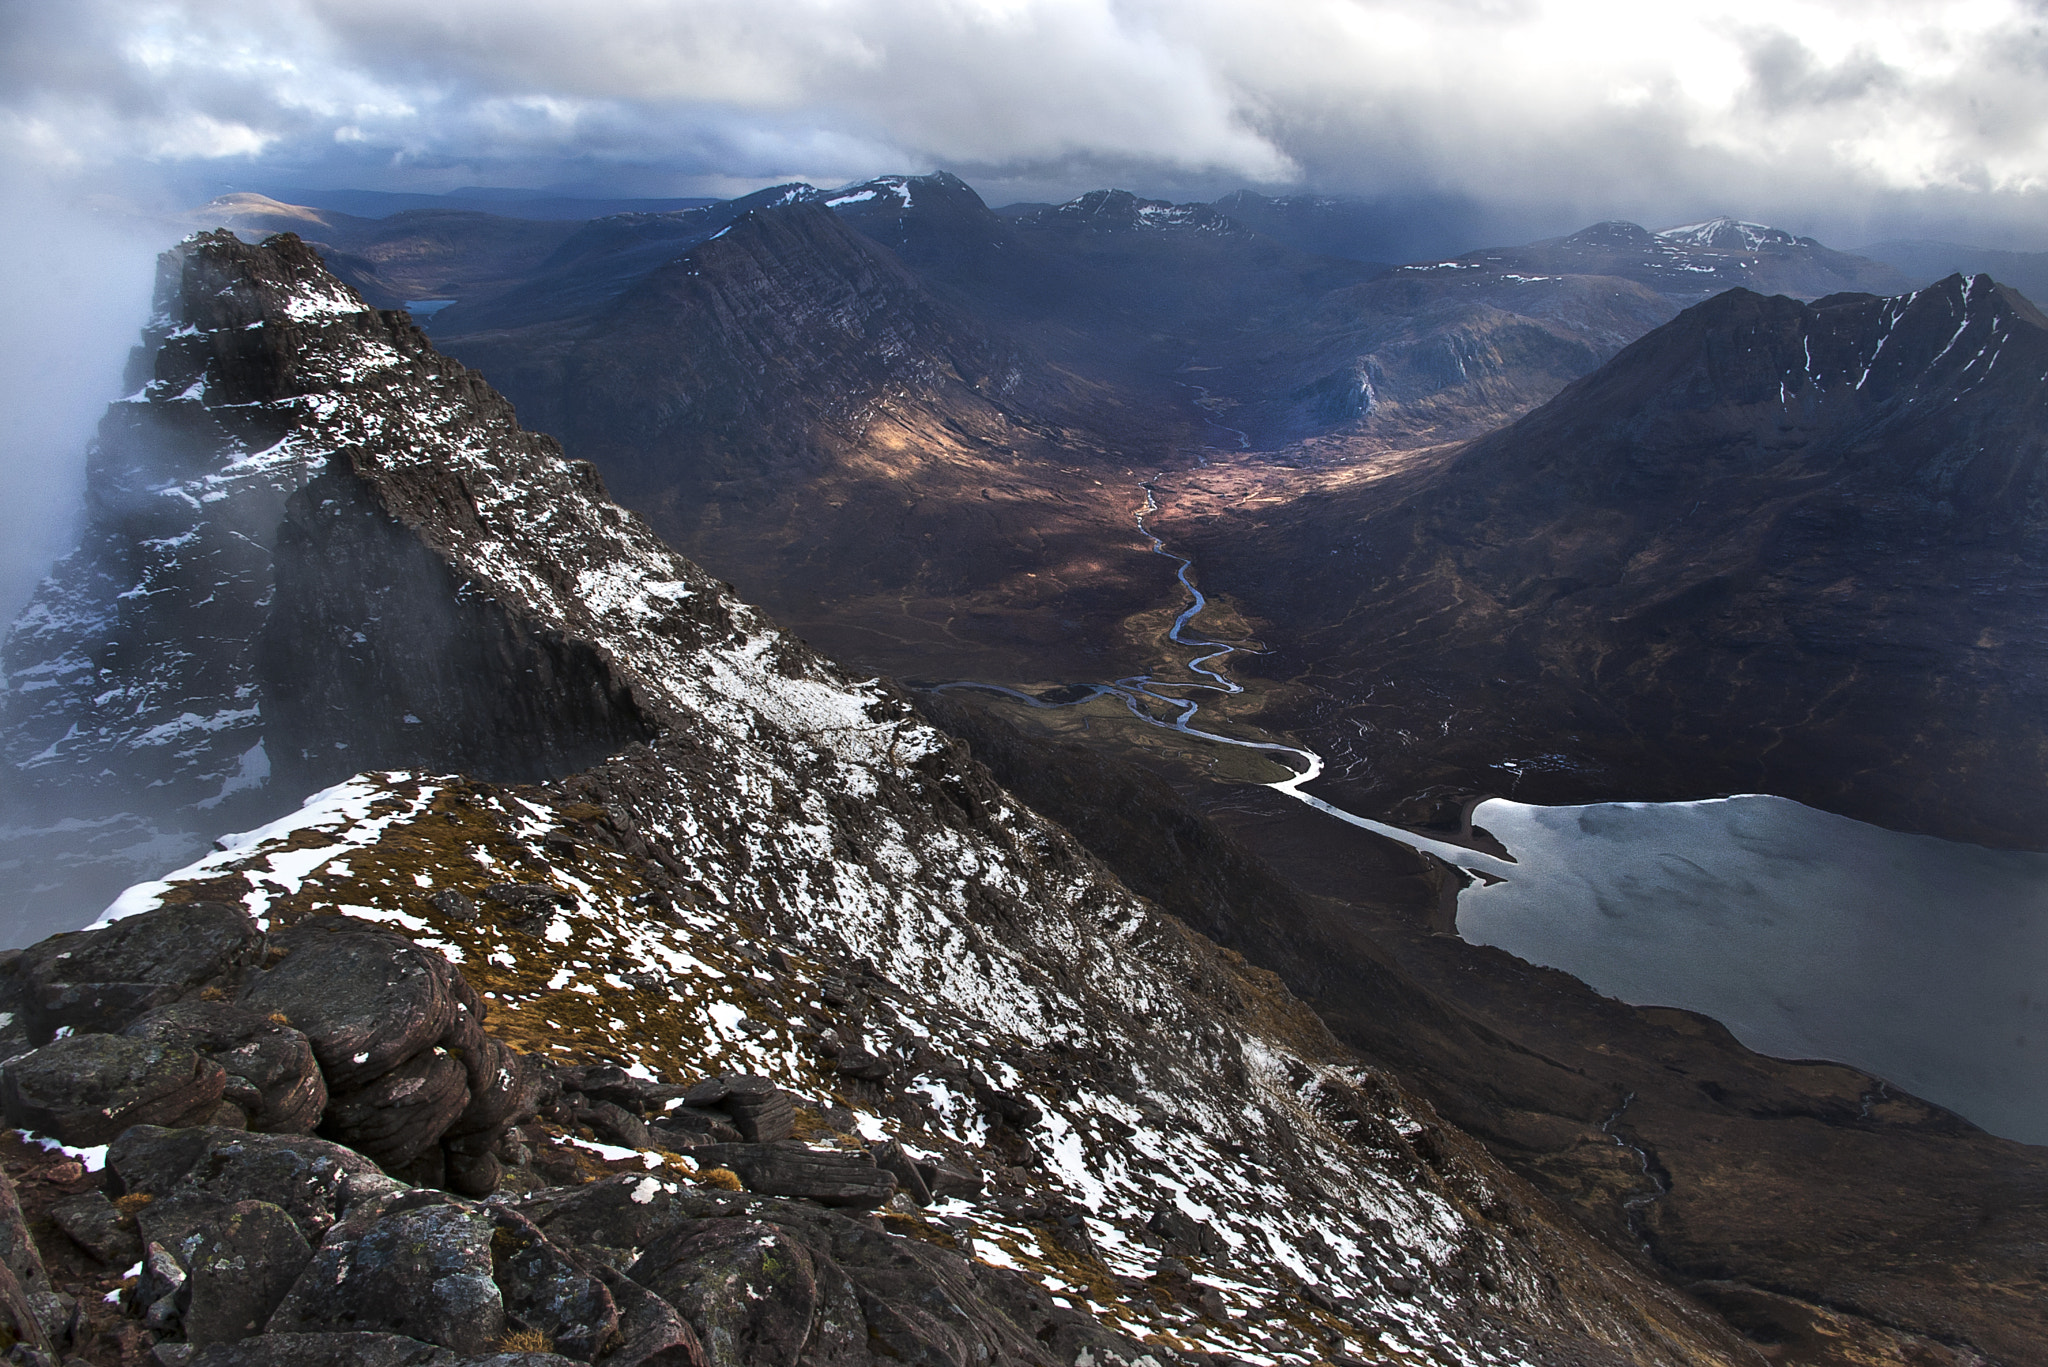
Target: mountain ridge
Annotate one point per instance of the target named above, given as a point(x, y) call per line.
point(794, 834)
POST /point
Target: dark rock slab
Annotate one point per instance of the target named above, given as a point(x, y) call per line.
point(628, 1211)
point(614, 1124)
point(890, 1158)
point(504, 1089)
point(546, 1290)
point(272, 1075)
point(312, 1180)
point(653, 1333)
point(692, 1125)
point(861, 1062)
point(238, 1268)
point(761, 1111)
point(787, 1169)
point(18, 1250)
point(765, 1119)
point(368, 999)
point(402, 1114)
point(344, 1349)
point(101, 979)
point(421, 1267)
point(609, 1082)
point(91, 1221)
point(19, 1320)
point(86, 1089)
point(952, 1178)
point(749, 1289)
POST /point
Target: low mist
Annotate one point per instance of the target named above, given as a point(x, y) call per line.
point(77, 282)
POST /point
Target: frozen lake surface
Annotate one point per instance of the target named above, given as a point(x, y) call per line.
point(1808, 935)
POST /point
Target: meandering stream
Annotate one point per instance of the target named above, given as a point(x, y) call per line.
point(1922, 961)
point(1140, 693)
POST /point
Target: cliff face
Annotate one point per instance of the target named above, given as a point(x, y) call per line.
point(795, 876)
point(184, 664)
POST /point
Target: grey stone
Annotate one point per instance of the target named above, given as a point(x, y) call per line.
point(890, 1158)
point(87, 1089)
point(544, 1289)
point(833, 1178)
point(101, 979)
point(90, 1221)
point(421, 1267)
point(344, 1349)
point(369, 1000)
point(238, 1268)
point(312, 1180)
point(272, 1075)
point(401, 1115)
point(748, 1289)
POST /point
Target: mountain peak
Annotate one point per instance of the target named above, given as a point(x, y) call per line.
point(1730, 235)
point(1121, 211)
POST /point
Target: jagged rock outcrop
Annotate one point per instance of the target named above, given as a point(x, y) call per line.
point(150, 704)
point(794, 850)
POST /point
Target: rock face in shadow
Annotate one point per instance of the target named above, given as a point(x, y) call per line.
point(1772, 547)
point(204, 649)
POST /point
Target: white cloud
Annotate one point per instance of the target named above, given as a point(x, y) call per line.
point(1808, 107)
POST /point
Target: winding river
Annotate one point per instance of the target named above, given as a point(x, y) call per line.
point(1922, 961)
point(1141, 694)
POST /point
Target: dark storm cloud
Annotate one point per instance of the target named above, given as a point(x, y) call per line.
point(1818, 112)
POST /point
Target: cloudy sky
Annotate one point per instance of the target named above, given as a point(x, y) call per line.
point(1838, 117)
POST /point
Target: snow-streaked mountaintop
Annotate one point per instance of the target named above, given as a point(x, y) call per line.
point(1730, 234)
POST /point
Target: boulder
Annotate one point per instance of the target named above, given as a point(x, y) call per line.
point(102, 979)
point(761, 1111)
point(20, 1325)
point(526, 907)
point(627, 1211)
point(614, 1124)
point(890, 1158)
point(272, 1075)
point(344, 1349)
point(545, 1290)
point(368, 999)
point(313, 1181)
point(420, 1267)
point(860, 1062)
point(86, 1089)
point(764, 1119)
point(91, 1221)
point(653, 1333)
point(401, 1115)
point(456, 906)
point(952, 1178)
point(504, 1089)
point(238, 1267)
point(830, 1177)
point(609, 1082)
point(748, 1289)
point(690, 1126)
